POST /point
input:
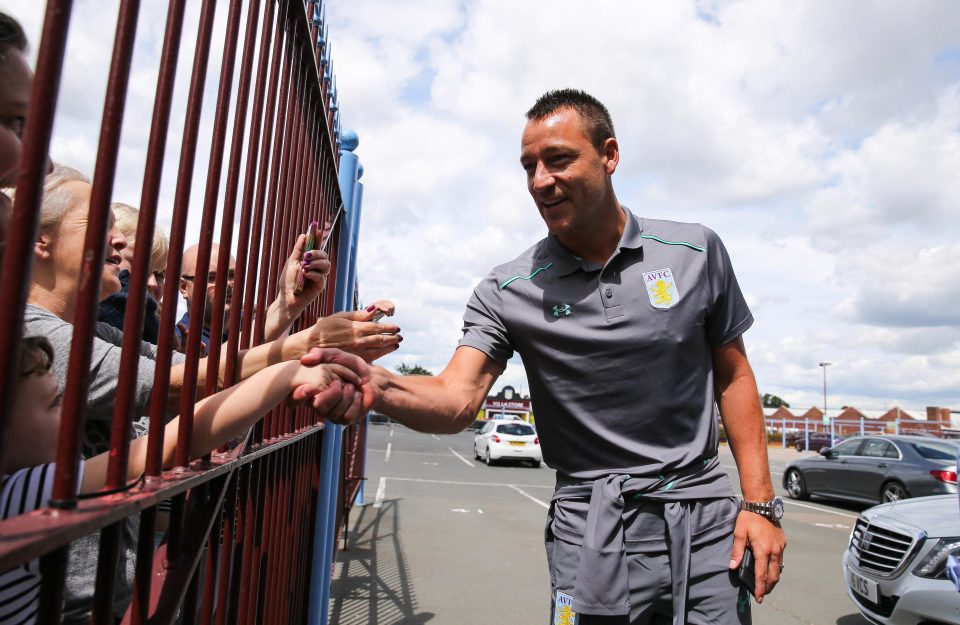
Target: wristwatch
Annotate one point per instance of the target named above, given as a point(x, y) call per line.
point(772, 509)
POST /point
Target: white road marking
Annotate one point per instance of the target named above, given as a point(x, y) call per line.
point(459, 483)
point(840, 526)
point(460, 510)
point(431, 464)
point(387, 457)
point(734, 467)
point(391, 432)
point(408, 453)
point(530, 497)
point(819, 509)
point(435, 436)
point(381, 490)
point(467, 462)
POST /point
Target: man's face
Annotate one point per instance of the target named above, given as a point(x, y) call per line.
point(66, 243)
point(16, 80)
point(567, 176)
point(208, 283)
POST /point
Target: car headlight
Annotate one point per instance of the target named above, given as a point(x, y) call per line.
point(935, 564)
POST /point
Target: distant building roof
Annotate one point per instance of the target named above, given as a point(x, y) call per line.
point(814, 414)
point(782, 413)
point(896, 413)
point(850, 413)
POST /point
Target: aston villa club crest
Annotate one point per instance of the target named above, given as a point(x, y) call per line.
point(661, 288)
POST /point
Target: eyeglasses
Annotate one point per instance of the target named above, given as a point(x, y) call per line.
point(212, 277)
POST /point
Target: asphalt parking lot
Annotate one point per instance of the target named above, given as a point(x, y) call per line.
point(446, 540)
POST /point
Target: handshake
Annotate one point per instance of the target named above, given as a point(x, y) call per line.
point(336, 384)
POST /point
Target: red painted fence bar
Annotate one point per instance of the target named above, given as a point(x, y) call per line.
point(226, 539)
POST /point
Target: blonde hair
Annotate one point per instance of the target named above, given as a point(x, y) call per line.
point(126, 218)
point(56, 199)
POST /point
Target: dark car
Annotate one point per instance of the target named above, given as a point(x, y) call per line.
point(818, 440)
point(873, 469)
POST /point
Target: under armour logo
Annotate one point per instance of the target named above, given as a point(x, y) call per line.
point(561, 311)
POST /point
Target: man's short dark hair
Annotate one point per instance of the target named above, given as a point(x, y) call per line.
point(12, 36)
point(595, 115)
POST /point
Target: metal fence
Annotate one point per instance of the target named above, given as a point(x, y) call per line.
point(251, 529)
point(797, 432)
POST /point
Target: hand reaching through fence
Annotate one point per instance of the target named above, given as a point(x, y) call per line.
point(308, 268)
point(356, 332)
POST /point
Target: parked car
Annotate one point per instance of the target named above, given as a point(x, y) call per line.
point(895, 564)
point(872, 469)
point(818, 440)
point(503, 439)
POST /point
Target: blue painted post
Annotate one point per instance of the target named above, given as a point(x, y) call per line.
point(861, 426)
point(806, 434)
point(783, 433)
point(326, 530)
point(831, 432)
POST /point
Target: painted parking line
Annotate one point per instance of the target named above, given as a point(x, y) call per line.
point(381, 491)
point(435, 436)
point(386, 458)
point(381, 450)
point(820, 509)
point(734, 468)
point(465, 461)
point(463, 483)
point(530, 497)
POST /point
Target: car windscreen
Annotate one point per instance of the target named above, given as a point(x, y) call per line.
point(936, 451)
point(515, 429)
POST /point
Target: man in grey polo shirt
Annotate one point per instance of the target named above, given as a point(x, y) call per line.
point(629, 330)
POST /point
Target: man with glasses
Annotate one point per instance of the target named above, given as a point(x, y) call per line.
point(313, 266)
point(191, 283)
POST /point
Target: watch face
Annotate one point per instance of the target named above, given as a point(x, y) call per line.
point(777, 508)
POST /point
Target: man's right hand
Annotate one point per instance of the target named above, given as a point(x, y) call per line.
point(340, 399)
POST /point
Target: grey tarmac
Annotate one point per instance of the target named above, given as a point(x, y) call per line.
point(444, 539)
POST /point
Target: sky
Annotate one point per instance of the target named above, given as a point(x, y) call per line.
point(820, 140)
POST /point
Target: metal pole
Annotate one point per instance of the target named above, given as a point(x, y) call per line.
point(330, 456)
point(824, 365)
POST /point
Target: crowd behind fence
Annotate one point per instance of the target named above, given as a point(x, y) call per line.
point(245, 534)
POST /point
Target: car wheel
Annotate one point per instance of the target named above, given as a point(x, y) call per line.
point(798, 445)
point(487, 458)
point(893, 491)
point(796, 488)
point(476, 452)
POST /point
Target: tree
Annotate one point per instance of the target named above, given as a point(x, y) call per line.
point(772, 401)
point(405, 369)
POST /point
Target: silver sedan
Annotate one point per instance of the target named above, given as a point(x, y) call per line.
point(876, 469)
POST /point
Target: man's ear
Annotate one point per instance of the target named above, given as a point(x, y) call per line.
point(185, 287)
point(611, 153)
point(41, 248)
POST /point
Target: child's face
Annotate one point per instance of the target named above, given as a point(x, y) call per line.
point(34, 423)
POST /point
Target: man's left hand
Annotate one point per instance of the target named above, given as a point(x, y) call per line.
point(767, 541)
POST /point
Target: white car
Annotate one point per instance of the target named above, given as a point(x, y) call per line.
point(895, 565)
point(507, 439)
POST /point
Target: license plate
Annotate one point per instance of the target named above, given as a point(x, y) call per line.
point(863, 586)
point(517, 443)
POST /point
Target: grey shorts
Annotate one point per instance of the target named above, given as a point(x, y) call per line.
point(714, 595)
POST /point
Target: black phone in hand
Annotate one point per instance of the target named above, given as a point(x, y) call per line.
point(746, 573)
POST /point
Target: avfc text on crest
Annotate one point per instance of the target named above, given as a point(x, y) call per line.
point(661, 288)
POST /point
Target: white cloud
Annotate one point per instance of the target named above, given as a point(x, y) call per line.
point(821, 140)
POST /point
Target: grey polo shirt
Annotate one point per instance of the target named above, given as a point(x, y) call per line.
point(618, 357)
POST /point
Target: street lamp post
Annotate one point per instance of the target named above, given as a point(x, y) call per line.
point(824, 365)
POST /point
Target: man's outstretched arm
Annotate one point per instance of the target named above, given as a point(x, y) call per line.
point(743, 423)
point(444, 404)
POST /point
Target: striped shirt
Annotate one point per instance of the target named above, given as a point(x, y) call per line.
point(23, 491)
